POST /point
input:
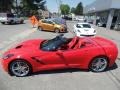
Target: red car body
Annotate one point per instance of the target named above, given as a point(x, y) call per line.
point(79, 57)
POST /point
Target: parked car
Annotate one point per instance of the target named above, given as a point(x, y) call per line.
point(67, 17)
point(117, 27)
point(101, 24)
point(79, 19)
point(10, 18)
point(84, 29)
point(96, 54)
point(51, 25)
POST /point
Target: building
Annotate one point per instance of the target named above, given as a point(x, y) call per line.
point(107, 11)
point(44, 14)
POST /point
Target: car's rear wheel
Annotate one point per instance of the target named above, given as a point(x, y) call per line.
point(11, 22)
point(99, 64)
point(20, 68)
point(57, 30)
point(40, 28)
point(22, 21)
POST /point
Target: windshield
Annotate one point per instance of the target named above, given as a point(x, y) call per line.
point(10, 15)
point(86, 26)
point(59, 21)
point(53, 44)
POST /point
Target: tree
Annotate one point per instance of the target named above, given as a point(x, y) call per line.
point(6, 5)
point(73, 10)
point(79, 9)
point(65, 9)
point(32, 6)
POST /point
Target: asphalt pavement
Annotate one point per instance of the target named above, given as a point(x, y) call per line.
point(70, 79)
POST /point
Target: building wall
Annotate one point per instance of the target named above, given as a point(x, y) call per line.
point(115, 4)
point(107, 10)
point(98, 5)
point(101, 5)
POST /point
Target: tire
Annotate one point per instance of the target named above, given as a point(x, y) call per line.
point(98, 64)
point(11, 22)
point(21, 22)
point(3, 22)
point(57, 30)
point(20, 68)
point(40, 28)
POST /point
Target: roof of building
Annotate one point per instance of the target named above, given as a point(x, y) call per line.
point(101, 5)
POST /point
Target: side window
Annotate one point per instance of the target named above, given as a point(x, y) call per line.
point(44, 21)
point(86, 44)
point(86, 26)
point(50, 22)
point(10, 15)
point(78, 25)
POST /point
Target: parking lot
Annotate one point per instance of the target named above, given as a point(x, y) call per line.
point(70, 79)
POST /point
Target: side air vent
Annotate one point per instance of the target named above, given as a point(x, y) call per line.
point(18, 46)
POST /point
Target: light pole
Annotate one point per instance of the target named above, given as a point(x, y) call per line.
point(16, 2)
point(59, 2)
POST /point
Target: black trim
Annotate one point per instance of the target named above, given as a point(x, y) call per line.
point(38, 60)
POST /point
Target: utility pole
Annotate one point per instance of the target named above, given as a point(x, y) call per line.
point(59, 2)
point(16, 2)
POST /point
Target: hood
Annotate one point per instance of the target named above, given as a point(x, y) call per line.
point(26, 46)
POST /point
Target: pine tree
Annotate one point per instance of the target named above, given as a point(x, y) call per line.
point(79, 9)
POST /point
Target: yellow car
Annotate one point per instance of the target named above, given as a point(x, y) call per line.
point(51, 25)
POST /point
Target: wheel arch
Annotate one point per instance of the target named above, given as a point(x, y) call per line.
point(39, 27)
point(31, 67)
point(56, 28)
point(97, 57)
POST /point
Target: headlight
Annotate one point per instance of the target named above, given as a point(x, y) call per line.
point(94, 31)
point(8, 56)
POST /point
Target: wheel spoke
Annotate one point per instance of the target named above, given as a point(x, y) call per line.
point(18, 64)
point(20, 68)
point(99, 64)
point(17, 68)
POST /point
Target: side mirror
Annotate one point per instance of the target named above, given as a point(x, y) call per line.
point(59, 52)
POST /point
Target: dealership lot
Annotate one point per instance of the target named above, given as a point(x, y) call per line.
point(71, 79)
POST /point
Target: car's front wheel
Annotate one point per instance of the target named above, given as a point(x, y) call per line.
point(57, 30)
point(40, 28)
point(3, 22)
point(22, 21)
point(20, 68)
point(98, 64)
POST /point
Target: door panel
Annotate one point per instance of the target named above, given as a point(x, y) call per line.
point(74, 57)
point(43, 25)
point(50, 27)
point(51, 60)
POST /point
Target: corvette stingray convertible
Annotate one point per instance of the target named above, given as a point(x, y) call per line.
point(92, 53)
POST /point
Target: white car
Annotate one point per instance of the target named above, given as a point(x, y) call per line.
point(10, 18)
point(84, 29)
point(78, 19)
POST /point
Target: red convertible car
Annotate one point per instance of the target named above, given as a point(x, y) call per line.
point(93, 53)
